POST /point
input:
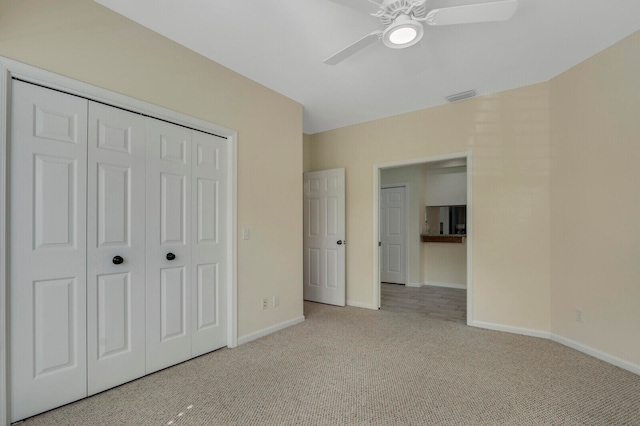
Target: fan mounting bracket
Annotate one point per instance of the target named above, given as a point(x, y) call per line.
point(391, 9)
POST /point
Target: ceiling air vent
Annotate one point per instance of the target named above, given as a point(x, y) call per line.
point(462, 95)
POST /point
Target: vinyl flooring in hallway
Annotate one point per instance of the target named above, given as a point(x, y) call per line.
point(439, 302)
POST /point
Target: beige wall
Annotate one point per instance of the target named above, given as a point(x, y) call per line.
point(508, 134)
point(536, 238)
point(541, 249)
point(595, 123)
point(85, 41)
point(444, 263)
point(306, 153)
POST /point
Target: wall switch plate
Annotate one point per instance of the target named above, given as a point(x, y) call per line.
point(246, 233)
point(276, 301)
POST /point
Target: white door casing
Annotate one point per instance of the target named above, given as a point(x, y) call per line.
point(393, 235)
point(376, 180)
point(115, 216)
point(47, 228)
point(324, 237)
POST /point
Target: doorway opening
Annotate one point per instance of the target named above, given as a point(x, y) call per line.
point(438, 266)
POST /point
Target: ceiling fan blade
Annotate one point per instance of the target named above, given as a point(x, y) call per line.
point(483, 12)
point(353, 48)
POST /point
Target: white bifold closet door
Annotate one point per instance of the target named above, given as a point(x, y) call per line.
point(209, 243)
point(117, 250)
point(115, 247)
point(168, 245)
point(186, 247)
point(48, 158)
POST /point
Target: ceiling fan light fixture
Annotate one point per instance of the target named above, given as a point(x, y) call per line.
point(402, 35)
point(403, 32)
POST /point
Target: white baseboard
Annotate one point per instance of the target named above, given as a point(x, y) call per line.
point(361, 305)
point(266, 331)
point(613, 360)
point(511, 329)
point(448, 285)
point(626, 365)
point(618, 362)
point(413, 285)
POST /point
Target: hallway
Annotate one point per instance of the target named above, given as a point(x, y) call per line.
point(439, 302)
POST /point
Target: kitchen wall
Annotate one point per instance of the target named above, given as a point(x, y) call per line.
point(446, 186)
point(445, 263)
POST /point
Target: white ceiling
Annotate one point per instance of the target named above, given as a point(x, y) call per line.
point(282, 44)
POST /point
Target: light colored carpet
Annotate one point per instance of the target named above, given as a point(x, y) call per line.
point(358, 367)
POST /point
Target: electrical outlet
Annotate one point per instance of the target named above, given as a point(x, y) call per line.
point(276, 301)
point(579, 315)
point(265, 303)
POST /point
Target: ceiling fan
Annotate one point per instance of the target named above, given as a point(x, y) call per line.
point(403, 22)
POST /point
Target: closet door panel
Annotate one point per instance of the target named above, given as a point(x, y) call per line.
point(172, 303)
point(168, 252)
point(47, 266)
point(208, 213)
point(173, 188)
point(114, 315)
point(116, 211)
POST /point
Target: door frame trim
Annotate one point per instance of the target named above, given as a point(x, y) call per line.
point(406, 187)
point(12, 69)
point(377, 168)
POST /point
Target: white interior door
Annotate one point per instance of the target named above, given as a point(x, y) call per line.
point(47, 228)
point(208, 246)
point(115, 247)
point(324, 237)
point(168, 245)
point(393, 235)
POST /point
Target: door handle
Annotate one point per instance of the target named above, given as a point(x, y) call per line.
point(117, 260)
point(171, 256)
point(341, 242)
